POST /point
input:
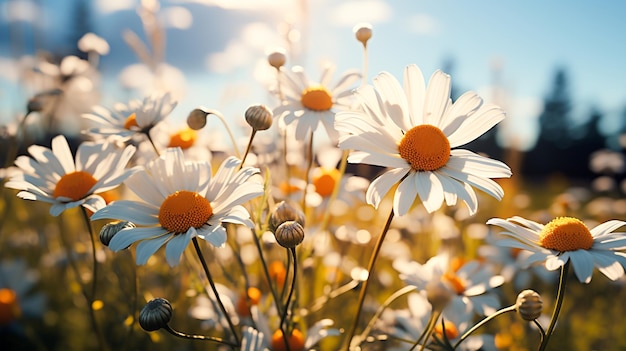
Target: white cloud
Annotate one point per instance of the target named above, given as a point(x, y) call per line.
point(176, 17)
point(423, 24)
point(352, 12)
point(16, 11)
point(109, 6)
point(252, 43)
point(260, 5)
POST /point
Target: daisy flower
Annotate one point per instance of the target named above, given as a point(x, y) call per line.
point(181, 201)
point(413, 132)
point(125, 121)
point(307, 103)
point(53, 176)
point(567, 239)
point(470, 283)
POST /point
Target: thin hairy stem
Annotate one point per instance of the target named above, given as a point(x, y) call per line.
point(309, 165)
point(370, 270)
point(248, 147)
point(215, 292)
point(557, 307)
point(483, 322)
point(199, 337)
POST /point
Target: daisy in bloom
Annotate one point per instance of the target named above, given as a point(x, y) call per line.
point(307, 103)
point(567, 239)
point(413, 132)
point(181, 201)
point(470, 284)
point(53, 176)
point(125, 121)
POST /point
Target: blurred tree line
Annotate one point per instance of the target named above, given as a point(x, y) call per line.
point(564, 147)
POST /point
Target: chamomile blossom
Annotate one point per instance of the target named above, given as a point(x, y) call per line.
point(414, 132)
point(470, 284)
point(181, 200)
point(53, 176)
point(125, 121)
point(567, 239)
point(308, 103)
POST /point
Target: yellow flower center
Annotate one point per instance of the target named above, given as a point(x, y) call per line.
point(425, 148)
point(316, 98)
point(74, 185)
point(183, 210)
point(9, 306)
point(566, 234)
point(296, 341)
point(131, 121)
point(325, 181)
point(457, 284)
point(183, 139)
point(451, 331)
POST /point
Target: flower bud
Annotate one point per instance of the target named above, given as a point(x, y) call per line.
point(529, 305)
point(259, 117)
point(277, 58)
point(109, 230)
point(438, 294)
point(155, 314)
point(285, 212)
point(363, 32)
point(197, 119)
point(289, 234)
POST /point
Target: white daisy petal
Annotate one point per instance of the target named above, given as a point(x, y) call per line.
point(607, 227)
point(460, 110)
point(415, 89)
point(127, 210)
point(406, 193)
point(126, 237)
point(476, 125)
point(215, 235)
point(381, 186)
point(437, 98)
point(177, 245)
point(582, 262)
point(430, 190)
point(61, 150)
point(394, 100)
point(147, 248)
point(608, 266)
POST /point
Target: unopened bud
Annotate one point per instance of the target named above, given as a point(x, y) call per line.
point(285, 212)
point(529, 305)
point(155, 314)
point(197, 119)
point(363, 32)
point(259, 117)
point(109, 230)
point(289, 234)
point(438, 294)
point(277, 59)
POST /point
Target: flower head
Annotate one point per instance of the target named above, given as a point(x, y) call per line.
point(307, 104)
point(125, 121)
point(415, 132)
point(181, 201)
point(568, 239)
point(53, 176)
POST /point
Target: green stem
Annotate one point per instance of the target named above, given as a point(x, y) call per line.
point(309, 165)
point(557, 307)
point(283, 317)
point(407, 289)
point(94, 278)
point(215, 292)
point(363, 292)
point(152, 143)
point(432, 322)
point(248, 147)
point(483, 322)
point(199, 337)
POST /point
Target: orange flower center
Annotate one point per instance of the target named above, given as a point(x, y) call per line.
point(75, 185)
point(457, 284)
point(131, 121)
point(183, 210)
point(566, 234)
point(244, 304)
point(278, 273)
point(316, 98)
point(295, 340)
point(325, 181)
point(183, 139)
point(425, 148)
point(451, 331)
point(9, 306)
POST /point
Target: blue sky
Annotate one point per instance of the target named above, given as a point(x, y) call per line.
point(220, 45)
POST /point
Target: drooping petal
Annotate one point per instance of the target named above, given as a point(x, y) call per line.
point(177, 245)
point(582, 262)
point(126, 237)
point(381, 185)
point(148, 247)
